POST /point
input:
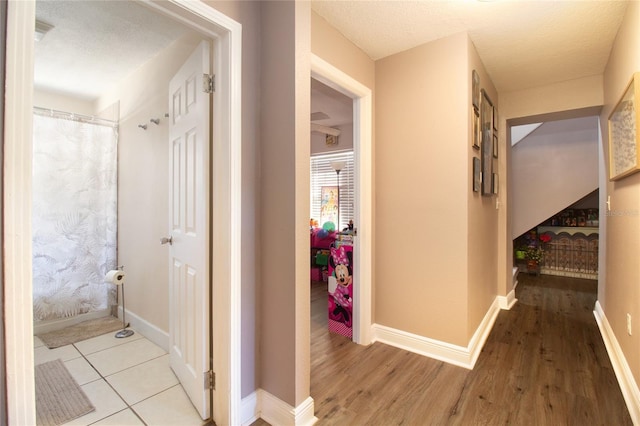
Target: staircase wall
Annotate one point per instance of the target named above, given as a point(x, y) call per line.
point(553, 167)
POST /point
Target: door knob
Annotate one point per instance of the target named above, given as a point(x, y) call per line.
point(165, 240)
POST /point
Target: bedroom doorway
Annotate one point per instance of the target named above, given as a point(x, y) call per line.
point(361, 96)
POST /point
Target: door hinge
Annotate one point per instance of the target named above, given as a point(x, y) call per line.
point(208, 83)
point(210, 380)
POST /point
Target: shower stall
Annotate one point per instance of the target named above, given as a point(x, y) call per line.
point(74, 214)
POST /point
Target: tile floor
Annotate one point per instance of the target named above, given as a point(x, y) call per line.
point(128, 380)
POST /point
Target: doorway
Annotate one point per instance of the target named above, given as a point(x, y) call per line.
point(332, 197)
point(226, 298)
point(555, 232)
point(336, 79)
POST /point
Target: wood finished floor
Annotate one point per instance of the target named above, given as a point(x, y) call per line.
point(544, 363)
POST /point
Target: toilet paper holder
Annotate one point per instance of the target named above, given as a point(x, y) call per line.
point(116, 277)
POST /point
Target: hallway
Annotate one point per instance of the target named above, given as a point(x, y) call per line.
point(544, 363)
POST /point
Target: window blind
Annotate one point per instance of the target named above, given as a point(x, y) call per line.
point(323, 175)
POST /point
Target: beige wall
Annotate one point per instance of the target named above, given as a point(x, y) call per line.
point(482, 216)
point(568, 95)
point(329, 44)
point(619, 293)
point(422, 179)
point(143, 182)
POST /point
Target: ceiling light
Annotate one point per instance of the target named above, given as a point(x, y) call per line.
point(41, 29)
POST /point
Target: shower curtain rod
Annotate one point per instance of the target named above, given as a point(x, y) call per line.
point(74, 117)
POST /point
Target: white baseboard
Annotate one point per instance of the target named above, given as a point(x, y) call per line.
point(58, 324)
point(627, 383)
point(452, 354)
point(249, 409)
point(148, 330)
point(261, 404)
point(507, 302)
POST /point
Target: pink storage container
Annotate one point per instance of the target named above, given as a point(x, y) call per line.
point(316, 274)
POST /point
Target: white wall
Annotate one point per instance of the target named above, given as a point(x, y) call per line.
point(143, 181)
point(552, 168)
point(59, 102)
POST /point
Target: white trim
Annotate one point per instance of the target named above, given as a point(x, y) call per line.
point(452, 354)
point(17, 211)
point(362, 119)
point(250, 409)
point(146, 329)
point(442, 351)
point(627, 383)
point(482, 332)
point(41, 327)
point(277, 412)
point(18, 301)
point(507, 302)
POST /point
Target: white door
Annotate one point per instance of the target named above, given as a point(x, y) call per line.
point(189, 281)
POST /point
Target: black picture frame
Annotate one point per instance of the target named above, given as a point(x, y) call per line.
point(475, 89)
point(477, 134)
point(477, 179)
point(495, 145)
point(486, 125)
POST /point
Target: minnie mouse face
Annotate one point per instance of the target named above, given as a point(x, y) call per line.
point(340, 261)
point(342, 275)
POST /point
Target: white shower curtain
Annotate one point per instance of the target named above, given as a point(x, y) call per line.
point(74, 215)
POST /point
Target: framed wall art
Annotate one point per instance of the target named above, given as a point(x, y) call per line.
point(495, 145)
point(329, 204)
point(623, 133)
point(475, 89)
point(486, 125)
point(477, 135)
point(476, 174)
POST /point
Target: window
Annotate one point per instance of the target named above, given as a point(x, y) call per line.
point(324, 175)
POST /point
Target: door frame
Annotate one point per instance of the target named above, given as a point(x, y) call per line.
point(333, 77)
point(226, 192)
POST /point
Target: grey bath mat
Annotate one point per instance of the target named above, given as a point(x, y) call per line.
point(59, 399)
point(79, 332)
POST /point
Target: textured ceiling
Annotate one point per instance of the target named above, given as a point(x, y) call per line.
point(522, 44)
point(94, 44)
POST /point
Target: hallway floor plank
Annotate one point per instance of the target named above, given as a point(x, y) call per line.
point(544, 363)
